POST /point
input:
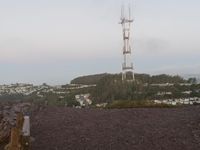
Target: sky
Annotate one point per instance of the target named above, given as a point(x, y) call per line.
point(54, 41)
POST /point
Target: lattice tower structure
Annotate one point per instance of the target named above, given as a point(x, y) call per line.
point(127, 65)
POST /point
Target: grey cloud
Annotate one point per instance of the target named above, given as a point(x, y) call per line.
point(151, 45)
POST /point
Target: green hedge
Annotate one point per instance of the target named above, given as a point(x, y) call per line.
point(136, 104)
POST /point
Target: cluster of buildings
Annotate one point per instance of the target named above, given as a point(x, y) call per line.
point(83, 99)
point(79, 86)
point(170, 93)
point(28, 89)
point(180, 101)
point(169, 84)
point(18, 88)
point(41, 91)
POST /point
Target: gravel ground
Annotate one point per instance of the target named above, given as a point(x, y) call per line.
point(60, 128)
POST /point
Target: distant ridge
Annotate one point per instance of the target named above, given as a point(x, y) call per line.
point(197, 76)
point(89, 79)
point(144, 78)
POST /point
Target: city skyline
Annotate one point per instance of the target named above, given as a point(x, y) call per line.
point(54, 41)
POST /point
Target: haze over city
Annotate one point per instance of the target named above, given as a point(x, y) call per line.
point(54, 41)
point(99, 74)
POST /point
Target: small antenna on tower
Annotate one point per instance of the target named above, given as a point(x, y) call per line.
point(129, 11)
point(122, 12)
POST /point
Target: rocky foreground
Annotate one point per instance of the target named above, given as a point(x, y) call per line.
point(60, 128)
point(8, 114)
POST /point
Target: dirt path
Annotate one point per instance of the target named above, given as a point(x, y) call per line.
point(59, 128)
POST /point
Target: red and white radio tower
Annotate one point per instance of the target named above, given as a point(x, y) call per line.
point(127, 65)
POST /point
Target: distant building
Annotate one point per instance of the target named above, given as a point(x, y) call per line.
point(164, 93)
point(83, 99)
point(180, 101)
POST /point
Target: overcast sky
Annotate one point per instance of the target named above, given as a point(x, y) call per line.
point(54, 41)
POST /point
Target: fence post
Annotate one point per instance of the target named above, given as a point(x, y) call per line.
point(20, 135)
point(20, 120)
point(14, 141)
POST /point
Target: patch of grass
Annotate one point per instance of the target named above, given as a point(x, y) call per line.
point(136, 104)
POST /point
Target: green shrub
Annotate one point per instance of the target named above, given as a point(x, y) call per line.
point(136, 104)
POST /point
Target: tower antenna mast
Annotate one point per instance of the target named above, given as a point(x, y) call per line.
point(127, 65)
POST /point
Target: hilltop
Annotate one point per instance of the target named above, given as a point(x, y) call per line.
point(89, 79)
point(145, 78)
point(110, 87)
